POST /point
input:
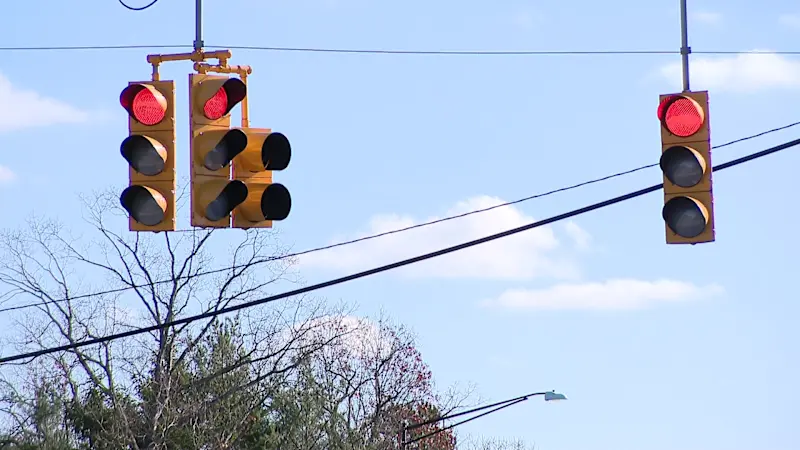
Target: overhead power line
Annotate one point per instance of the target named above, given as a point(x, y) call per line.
point(385, 233)
point(141, 8)
point(399, 52)
point(91, 47)
point(497, 52)
point(384, 268)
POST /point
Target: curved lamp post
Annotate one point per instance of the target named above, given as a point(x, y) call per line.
point(494, 407)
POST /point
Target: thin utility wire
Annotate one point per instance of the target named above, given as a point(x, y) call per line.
point(401, 52)
point(385, 233)
point(498, 52)
point(387, 267)
point(141, 8)
point(91, 47)
point(462, 422)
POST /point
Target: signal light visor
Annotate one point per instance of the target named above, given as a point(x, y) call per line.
point(146, 155)
point(276, 202)
point(683, 166)
point(681, 116)
point(265, 202)
point(232, 143)
point(224, 99)
point(146, 206)
point(685, 216)
point(144, 103)
point(276, 153)
point(233, 195)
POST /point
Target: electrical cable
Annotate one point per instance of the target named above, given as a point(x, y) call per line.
point(472, 411)
point(462, 422)
point(385, 233)
point(404, 52)
point(142, 8)
point(498, 52)
point(501, 205)
point(387, 267)
point(92, 47)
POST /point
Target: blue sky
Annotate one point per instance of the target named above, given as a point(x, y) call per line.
point(658, 347)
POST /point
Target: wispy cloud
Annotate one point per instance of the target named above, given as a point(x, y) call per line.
point(31, 109)
point(539, 253)
point(359, 335)
point(618, 294)
point(534, 253)
point(752, 72)
point(579, 236)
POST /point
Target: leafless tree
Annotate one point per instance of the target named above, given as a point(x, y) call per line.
point(113, 280)
point(484, 443)
point(360, 390)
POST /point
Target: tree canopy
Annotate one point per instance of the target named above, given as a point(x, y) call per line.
point(299, 374)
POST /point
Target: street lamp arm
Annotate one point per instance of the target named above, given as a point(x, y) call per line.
point(508, 403)
point(473, 410)
point(548, 396)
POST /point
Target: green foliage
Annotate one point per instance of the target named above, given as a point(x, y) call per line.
point(209, 402)
point(46, 422)
point(339, 399)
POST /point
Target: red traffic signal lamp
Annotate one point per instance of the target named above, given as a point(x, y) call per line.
point(263, 152)
point(217, 95)
point(688, 210)
point(149, 150)
point(213, 146)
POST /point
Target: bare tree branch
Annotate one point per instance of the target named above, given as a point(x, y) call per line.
point(43, 261)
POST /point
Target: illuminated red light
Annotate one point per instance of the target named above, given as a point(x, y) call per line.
point(144, 103)
point(683, 116)
point(217, 105)
point(147, 109)
point(223, 97)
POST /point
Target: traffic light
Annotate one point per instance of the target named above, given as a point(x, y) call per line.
point(261, 152)
point(686, 165)
point(213, 146)
point(150, 151)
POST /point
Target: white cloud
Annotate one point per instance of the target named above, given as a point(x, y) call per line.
point(357, 332)
point(26, 109)
point(364, 336)
point(358, 335)
point(707, 17)
point(579, 236)
point(744, 73)
point(534, 253)
point(525, 255)
point(618, 294)
point(790, 20)
point(6, 175)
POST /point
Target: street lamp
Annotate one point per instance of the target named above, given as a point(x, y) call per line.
point(494, 407)
point(553, 396)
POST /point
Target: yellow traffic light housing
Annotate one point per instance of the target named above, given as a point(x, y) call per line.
point(688, 210)
point(262, 152)
point(150, 152)
point(213, 146)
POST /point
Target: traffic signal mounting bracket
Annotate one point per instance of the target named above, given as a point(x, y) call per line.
point(231, 168)
point(199, 57)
